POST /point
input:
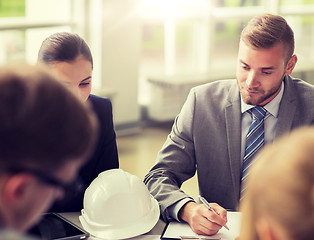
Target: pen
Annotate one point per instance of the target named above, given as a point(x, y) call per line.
point(203, 200)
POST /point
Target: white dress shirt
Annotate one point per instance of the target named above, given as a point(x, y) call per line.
point(270, 119)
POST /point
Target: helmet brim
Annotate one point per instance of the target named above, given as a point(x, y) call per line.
point(136, 228)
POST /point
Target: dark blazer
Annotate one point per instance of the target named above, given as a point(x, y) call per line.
point(206, 136)
point(105, 156)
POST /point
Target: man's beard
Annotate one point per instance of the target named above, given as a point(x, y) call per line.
point(263, 98)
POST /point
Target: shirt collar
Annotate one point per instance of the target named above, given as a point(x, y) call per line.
point(272, 107)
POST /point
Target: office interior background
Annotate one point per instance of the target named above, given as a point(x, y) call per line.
point(148, 54)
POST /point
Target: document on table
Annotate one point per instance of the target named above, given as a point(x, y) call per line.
point(141, 237)
point(176, 230)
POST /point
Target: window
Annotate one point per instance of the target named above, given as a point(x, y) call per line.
point(25, 23)
point(198, 42)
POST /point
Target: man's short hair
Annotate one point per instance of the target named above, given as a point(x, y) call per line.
point(43, 123)
point(267, 30)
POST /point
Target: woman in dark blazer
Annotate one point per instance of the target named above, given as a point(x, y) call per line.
point(69, 56)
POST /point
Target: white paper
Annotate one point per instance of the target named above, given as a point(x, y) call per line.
point(141, 237)
point(176, 229)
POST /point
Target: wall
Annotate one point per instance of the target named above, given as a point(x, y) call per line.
point(121, 41)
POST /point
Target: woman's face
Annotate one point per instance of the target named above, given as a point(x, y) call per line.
point(78, 73)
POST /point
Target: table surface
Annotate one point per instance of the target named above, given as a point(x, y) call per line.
point(234, 219)
point(74, 218)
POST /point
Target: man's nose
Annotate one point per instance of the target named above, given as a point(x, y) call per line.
point(252, 79)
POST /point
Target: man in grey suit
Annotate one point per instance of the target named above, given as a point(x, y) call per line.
point(209, 134)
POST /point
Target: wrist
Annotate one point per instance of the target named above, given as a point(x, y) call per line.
point(185, 212)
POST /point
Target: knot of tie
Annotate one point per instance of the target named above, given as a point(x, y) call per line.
point(258, 112)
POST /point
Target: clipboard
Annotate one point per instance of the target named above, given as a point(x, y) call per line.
point(182, 231)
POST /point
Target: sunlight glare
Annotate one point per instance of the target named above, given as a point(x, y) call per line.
point(168, 8)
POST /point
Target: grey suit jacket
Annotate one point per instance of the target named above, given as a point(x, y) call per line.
point(206, 136)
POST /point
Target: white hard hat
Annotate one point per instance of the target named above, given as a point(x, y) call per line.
point(118, 205)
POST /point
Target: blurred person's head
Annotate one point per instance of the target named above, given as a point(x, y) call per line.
point(280, 197)
point(69, 56)
point(46, 133)
point(265, 55)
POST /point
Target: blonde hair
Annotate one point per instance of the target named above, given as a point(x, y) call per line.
point(281, 187)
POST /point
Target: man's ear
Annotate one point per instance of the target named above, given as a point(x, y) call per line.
point(15, 189)
point(291, 64)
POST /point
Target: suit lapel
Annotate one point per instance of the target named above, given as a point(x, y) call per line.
point(233, 125)
point(287, 108)
point(233, 128)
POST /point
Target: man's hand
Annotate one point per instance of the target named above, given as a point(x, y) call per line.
point(201, 219)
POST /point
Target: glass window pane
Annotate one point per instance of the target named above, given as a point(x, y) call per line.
point(303, 27)
point(153, 48)
point(12, 46)
point(152, 56)
point(225, 42)
point(296, 2)
point(12, 8)
point(48, 10)
point(238, 3)
point(186, 49)
point(23, 45)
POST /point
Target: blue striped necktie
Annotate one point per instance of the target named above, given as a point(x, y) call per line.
point(254, 142)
